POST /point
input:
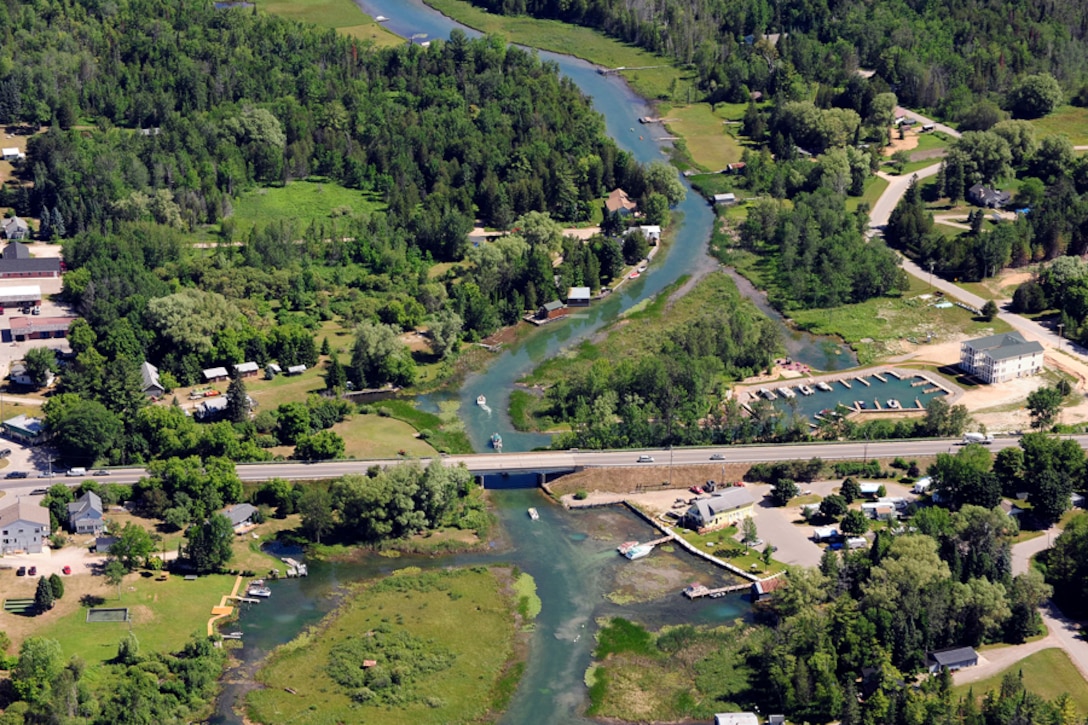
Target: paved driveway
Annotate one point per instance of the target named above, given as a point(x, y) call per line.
point(776, 527)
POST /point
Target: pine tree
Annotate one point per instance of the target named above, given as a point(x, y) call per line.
point(59, 230)
point(57, 585)
point(325, 349)
point(45, 225)
point(43, 598)
point(335, 375)
point(237, 401)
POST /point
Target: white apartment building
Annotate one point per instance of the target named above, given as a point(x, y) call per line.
point(998, 358)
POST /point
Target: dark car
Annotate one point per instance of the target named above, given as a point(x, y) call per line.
point(21, 571)
point(33, 571)
point(717, 457)
point(16, 474)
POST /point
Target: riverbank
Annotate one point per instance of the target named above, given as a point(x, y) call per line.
point(396, 651)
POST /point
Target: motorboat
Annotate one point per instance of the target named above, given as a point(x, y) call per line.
point(481, 400)
point(894, 404)
point(805, 390)
point(768, 394)
point(787, 392)
point(626, 546)
point(259, 591)
point(534, 514)
point(823, 386)
point(496, 441)
point(638, 552)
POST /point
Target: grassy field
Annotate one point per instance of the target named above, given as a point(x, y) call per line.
point(301, 201)
point(467, 612)
point(709, 140)
point(721, 544)
point(1047, 673)
point(164, 614)
point(656, 83)
point(373, 436)
point(875, 327)
point(343, 15)
point(874, 187)
point(1065, 121)
point(445, 431)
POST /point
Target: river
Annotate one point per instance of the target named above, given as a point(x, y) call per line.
point(572, 557)
point(621, 108)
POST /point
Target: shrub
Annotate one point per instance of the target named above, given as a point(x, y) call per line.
point(581, 494)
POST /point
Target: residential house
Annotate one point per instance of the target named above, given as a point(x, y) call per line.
point(12, 154)
point(17, 262)
point(987, 197)
point(240, 515)
point(247, 369)
point(651, 233)
point(85, 514)
point(724, 508)
point(954, 659)
point(619, 203)
point(215, 375)
point(551, 310)
point(15, 228)
point(870, 489)
point(20, 376)
point(149, 375)
point(1002, 357)
point(879, 511)
point(735, 168)
point(725, 199)
point(211, 409)
point(578, 297)
point(24, 527)
point(25, 430)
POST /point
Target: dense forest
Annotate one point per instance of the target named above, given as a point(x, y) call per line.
point(936, 55)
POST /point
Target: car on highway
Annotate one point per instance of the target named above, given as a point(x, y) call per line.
point(66, 570)
point(77, 471)
point(101, 472)
point(16, 474)
point(717, 457)
point(21, 571)
point(645, 459)
point(39, 492)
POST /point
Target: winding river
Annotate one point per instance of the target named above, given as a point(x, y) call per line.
point(570, 554)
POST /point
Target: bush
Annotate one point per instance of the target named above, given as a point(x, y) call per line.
point(581, 494)
point(868, 469)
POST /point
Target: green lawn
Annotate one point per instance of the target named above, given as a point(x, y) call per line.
point(883, 321)
point(372, 436)
point(1068, 121)
point(301, 201)
point(343, 15)
point(708, 140)
point(657, 83)
point(1047, 673)
point(164, 614)
point(721, 544)
point(467, 612)
point(874, 187)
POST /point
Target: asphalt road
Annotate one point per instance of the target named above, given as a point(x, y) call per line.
point(486, 463)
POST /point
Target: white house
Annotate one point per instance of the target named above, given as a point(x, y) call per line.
point(1002, 357)
point(13, 154)
point(651, 232)
point(736, 718)
point(85, 514)
point(24, 527)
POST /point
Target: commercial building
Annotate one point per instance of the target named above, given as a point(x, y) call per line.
point(38, 328)
point(1002, 357)
point(21, 296)
point(25, 430)
point(724, 508)
point(18, 262)
point(24, 527)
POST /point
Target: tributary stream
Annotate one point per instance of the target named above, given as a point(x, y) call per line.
point(570, 554)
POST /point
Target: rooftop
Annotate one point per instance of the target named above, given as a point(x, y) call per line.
point(946, 657)
point(727, 500)
point(24, 509)
point(33, 426)
point(1005, 345)
point(579, 293)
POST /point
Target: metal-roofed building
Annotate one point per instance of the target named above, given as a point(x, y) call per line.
point(1001, 357)
point(954, 659)
point(722, 509)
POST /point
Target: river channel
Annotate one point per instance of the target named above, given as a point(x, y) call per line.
point(571, 555)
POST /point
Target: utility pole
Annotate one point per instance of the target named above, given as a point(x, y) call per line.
point(670, 465)
point(1061, 329)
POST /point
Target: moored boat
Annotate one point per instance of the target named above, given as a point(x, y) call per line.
point(787, 392)
point(259, 591)
point(638, 552)
point(626, 546)
point(805, 390)
point(894, 404)
point(534, 514)
point(768, 394)
point(823, 386)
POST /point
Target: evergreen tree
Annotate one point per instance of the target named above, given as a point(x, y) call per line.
point(45, 226)
point(325, 349)
point(43, 597)
point(59, 231)
point(57, 585)
point(237, 401)
point(336, 376)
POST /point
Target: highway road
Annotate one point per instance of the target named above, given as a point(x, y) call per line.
point(556, 461)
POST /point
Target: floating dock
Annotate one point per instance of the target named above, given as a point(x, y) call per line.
point(880, 377)
point(698, 591)
point(863, 381)
point(846, 383)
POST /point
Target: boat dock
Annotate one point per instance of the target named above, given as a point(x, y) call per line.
point(294, 568)
point(698, 591)
point(846, 383)
point(880, 377)
point(239, 598)
point(863, 381)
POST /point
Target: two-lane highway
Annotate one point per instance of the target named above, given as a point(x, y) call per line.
point(557, 461)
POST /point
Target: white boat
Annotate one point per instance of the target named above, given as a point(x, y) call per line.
point(638, 552)
point(534, 514)
point(481, 400)
point(381, 19)
point(262, 592)
point(626, 546)
point(823, 386)
point(787, 392)
point(805, 390)
point(894, 404)
point(768, 394)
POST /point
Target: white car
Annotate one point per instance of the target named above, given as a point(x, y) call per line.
point(645, 459)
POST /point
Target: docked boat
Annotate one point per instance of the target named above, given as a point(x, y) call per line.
point(534, 514)
point(805, 390)
point(787, 392)
point(768, 394)
point(496, 441)
point(638, 552)
point(894, 404)
point(481, 400)
point(823, 386)
point(259, 591)
point(859, 404)
point(626, 546)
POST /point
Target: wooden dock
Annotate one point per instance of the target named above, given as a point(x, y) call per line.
point(698, 591)
point(846, 382)
point(880, 377)
point(863, 381)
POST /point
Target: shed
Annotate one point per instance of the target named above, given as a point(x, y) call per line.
point(765, 588)
point(13, 154)
point(102, 544)
point(296, 369)
point(149, 375)
point(214, 375)
point(271, 370)
point(869, 489)
point(247, 369)
point(551, 310)
point(954, 659)
point(725, 199)
point(578, 297)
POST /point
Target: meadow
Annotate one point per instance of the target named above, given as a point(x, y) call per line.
point(343, 15)
point(300, 201)
point(1047, 673)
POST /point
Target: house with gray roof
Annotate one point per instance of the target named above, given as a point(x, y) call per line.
point(954, 659)
point(85, 514)
point(17, 262)
point(240, 514)
point(988, 197)
point(149, 375)
point(15, 228)
point(724, 508)
point(24, 527)
point(1002, 357)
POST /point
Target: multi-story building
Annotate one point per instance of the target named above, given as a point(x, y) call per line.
point(998, 358)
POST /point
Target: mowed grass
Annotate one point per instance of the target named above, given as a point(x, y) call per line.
point(874, 187)
point(875, 326)
point(1047, 673)
point(710, 144)
point(1068, 121)
point(343, 15)
point(575, 40)
point(301, 201)
point(164, 614)
point(469, 613)
point(374, 436)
